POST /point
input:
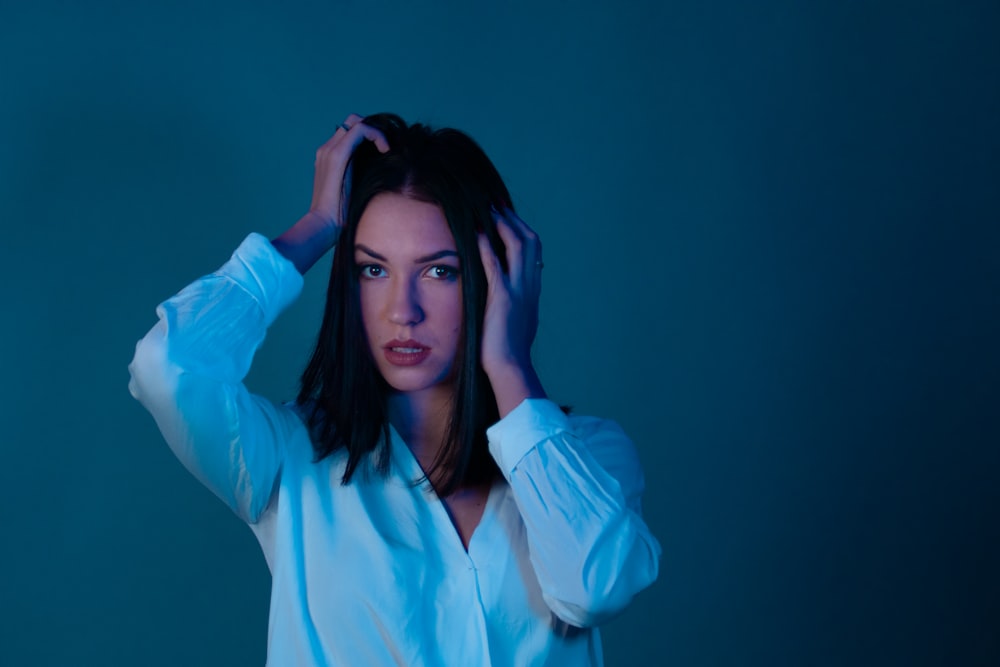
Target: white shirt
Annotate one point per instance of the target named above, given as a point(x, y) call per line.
point(374, 572)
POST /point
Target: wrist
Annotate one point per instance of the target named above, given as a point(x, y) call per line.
point(512, 384)
point(320, 226)
point(307, 240)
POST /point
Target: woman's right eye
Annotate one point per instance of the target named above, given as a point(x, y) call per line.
point(370, 271)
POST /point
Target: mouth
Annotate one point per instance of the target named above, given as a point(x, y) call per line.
point(405, 352)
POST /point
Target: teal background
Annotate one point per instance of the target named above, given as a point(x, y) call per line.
point(771, 243)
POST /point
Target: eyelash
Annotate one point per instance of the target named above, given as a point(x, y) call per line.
point(363, 270)
point(451, 273)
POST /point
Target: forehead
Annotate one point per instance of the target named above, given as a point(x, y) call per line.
point(394, 223)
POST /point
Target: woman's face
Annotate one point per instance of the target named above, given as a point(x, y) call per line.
point(411, 291)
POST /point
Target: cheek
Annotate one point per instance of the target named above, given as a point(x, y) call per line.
point(451, 312)
point(447, 313)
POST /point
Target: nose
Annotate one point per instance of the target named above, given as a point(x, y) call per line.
point(403, 306)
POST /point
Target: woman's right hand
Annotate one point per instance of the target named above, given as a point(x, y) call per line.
point(331, 166)
point(318, 230)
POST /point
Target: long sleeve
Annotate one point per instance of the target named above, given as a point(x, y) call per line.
point(188, 372)
point(577, 484)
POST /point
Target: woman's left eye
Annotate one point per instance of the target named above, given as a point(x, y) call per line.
point(443, 272)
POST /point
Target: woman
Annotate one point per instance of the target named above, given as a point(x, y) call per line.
point(422, 502)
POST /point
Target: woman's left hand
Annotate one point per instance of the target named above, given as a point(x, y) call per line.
point(511, 319)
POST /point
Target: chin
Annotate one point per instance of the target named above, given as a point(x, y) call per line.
point(411, 382)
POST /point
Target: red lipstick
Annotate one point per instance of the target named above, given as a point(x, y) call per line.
point(405, 352)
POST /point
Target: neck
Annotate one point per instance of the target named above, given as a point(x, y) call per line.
point(421, 419)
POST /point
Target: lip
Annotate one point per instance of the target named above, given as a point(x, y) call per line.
point(394, 356)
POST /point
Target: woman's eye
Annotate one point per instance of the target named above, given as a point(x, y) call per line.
point(443, 272)
point(371, 271)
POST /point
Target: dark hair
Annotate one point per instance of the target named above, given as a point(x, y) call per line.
point(344, 394)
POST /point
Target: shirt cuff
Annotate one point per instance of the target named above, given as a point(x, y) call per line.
point(267, 275)
point(526, 426)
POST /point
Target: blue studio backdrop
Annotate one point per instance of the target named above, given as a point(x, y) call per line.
point(771, 244)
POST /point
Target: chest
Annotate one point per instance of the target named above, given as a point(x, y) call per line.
point(393, 566)
point(465, 509)
point(383, 571)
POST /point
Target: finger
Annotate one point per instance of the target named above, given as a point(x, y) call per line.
point(345, 127)
point(514, 246)
point(349, 122)
point(526, 232)
point(352, 121)
point(374, 136)
point(344, 143)
point(491, 264)
point(530, 284)
point(531, 253)
point(532, 244)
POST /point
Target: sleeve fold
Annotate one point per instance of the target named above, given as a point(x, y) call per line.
point(188, 372)
point(578, 485)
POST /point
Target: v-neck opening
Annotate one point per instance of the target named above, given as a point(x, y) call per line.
point(409, 468)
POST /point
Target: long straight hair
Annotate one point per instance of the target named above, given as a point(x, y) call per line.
point(345, 396)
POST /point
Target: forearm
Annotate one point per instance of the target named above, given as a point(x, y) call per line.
point(307, 240)
point(577, 487)
point(188, 372)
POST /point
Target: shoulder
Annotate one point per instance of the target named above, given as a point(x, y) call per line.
point(307, 417)
point(312, 423)
point(302, 411)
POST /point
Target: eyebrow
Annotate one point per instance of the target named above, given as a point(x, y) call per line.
point(419, 260)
